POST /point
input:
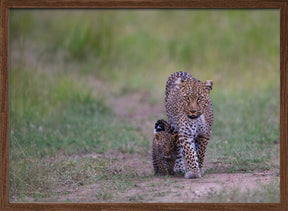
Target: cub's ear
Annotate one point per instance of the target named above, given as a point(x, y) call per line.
point(208, 85)
point(158, 137)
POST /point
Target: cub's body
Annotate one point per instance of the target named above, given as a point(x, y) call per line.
point(164, 148)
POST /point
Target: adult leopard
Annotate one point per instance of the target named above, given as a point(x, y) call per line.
point(190, 113)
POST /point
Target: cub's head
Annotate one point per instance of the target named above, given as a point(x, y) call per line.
point(194, 96)
point(167, 142)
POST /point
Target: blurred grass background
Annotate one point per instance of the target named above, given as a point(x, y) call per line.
point(67, 65)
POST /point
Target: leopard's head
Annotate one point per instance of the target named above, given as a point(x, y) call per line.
point(194, 96)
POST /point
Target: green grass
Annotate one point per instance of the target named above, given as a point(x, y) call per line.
point(56, 176)
point(240, 134)
point(63, 116)
point(67, 66)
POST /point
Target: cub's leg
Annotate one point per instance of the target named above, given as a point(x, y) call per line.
point(201, 146)
point(159, 163)
point(190, 154)
point(155, 163)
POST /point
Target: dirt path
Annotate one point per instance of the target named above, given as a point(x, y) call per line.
point(197, 190)
point(174, 189)
point(134, 107)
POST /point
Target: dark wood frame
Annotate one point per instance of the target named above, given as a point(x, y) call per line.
point(5, 5)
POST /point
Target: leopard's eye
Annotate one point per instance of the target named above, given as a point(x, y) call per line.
point(186, 97)
point(199, 98)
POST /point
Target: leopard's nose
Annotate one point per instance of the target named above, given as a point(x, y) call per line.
point(193, 111)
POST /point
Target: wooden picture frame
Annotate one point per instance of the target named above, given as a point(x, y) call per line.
point(282, 5)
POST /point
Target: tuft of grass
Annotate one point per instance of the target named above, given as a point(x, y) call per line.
point(100, 195)
point(136, 198)
point(268, 193)
point(79, 41)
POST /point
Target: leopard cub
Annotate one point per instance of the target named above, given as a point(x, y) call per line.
point(164, 151)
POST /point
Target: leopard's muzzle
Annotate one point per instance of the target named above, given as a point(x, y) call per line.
point(193, 114)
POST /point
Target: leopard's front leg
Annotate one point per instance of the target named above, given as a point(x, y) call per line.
point(189, 151)
point(179, 167)
point(201, 146)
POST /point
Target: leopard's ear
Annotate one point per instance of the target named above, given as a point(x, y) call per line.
point(179, 81)
point(158, 137)
point(208, 85)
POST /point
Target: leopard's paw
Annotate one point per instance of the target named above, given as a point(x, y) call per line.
point(192, 175)
point(179, 171)
point(202, 172)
